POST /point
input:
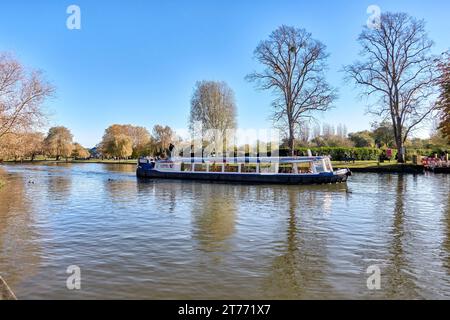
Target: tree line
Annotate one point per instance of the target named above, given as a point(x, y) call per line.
point(118, 142)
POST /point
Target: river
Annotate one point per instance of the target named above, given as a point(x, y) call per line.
point(136, 239)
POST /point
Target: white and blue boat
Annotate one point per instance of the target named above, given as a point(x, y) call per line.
point(268, 170)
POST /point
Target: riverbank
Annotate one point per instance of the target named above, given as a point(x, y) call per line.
point(52, 161)
point(2, 183)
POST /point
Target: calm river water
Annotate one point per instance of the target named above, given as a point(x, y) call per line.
point(172, 239)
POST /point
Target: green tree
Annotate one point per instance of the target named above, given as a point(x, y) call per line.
point(213, 106)
point(383, 133)
point(362, 139)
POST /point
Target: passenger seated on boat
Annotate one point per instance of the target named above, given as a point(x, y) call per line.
point(286, 169)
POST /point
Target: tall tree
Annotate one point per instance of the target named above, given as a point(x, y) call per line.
point(22, 94)
point(362, 139)
point(213, 106)
point(444, 97)
point(58, 142)
point(294, 70)
point(398, 68)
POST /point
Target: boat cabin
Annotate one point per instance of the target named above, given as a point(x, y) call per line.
point(295, 165)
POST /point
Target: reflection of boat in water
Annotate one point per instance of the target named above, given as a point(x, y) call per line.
point(295, 170)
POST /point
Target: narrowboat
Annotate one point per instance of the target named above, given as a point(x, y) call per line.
point(269, 170)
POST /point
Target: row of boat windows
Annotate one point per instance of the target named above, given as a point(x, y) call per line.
point(253, 168)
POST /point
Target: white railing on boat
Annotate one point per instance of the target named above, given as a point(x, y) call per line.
point(246, 159)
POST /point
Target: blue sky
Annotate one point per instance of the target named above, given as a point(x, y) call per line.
point(137, 61)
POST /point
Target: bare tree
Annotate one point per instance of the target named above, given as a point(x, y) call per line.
point(22, 94)
point(399, 69)
point(294, 70)
point(213, 106)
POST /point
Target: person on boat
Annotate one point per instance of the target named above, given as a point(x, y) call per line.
point(171, 148)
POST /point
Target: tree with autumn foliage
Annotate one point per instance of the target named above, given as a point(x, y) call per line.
point(444, 98)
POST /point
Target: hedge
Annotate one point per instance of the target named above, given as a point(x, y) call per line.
point(359, 154)
point(339, 154)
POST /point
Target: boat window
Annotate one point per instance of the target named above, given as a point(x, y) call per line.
point(250, 168)
point(305, 167)
point(266, 168)
point(319, 166)
point(286, 168)
point(200, 167)
point(328, 165)
point(186, 167)
point(232, 168)
point(215, 168)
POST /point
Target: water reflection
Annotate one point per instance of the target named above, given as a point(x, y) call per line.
point(214, 216)
point(301, 264)
point(446, 242)
point(19, 251)
point(174, 239)
point(397, 282)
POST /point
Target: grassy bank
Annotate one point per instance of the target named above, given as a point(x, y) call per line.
point(2, 183)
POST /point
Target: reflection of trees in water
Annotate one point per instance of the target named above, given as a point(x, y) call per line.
point(214, 215)
point(19, 254)
point(167, 192)
point(397, 281)
point(300, 268)
point(59, 183)
point(121, 191)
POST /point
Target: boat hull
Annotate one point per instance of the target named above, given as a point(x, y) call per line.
point(287, 179)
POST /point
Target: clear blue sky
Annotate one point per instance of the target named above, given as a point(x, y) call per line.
point(137, 61)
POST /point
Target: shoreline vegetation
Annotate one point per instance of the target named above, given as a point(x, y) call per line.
point(357, 166)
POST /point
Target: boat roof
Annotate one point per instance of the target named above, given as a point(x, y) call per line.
point(245, 160)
